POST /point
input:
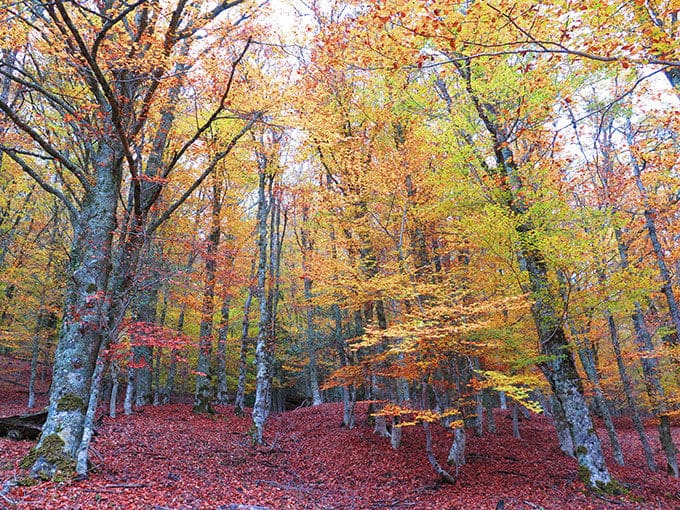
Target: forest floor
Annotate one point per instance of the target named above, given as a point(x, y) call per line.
point(163, 458)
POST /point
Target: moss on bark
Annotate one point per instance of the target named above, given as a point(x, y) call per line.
point(71, 402)
point(58, 465)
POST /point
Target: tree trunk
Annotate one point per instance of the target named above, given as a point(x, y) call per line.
point(457, 451)
point(515, 421)
point(88, 429)
point(85, 310)
point(222, 396)
point(262, 357)
point(204, 387)
point(156, 383)
point(129, 391)
point(488, 406)
point(114, 389)
point(587, 360)
point(630, 399)
point(650, 371)
point(35, 351)
point(239, 401)
point(144, 311)
point(311, 347)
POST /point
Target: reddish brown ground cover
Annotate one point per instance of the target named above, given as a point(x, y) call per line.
point(166, 458)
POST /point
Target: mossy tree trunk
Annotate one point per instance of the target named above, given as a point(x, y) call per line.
point(560, 368)
point(85, 311)
point(205, 390)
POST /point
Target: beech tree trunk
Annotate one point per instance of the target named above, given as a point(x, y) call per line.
point(85, 311)
point(306, 247)
point(515, 421)
point(587, 358)
point(144, 311)
point(222, 396)
point(457, 451)
point(205, 390)
point(560, 369)
point(262, 357)
point(239, 401)
point(115, 383)
point(630, 399)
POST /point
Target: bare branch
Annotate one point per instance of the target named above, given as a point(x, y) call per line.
point(37, 178)
point(216, 159)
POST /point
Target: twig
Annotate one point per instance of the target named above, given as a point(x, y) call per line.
point(608, 500)
point(5, 489)
point(287, 487)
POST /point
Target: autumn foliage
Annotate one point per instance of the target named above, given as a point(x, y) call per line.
point(427, 211)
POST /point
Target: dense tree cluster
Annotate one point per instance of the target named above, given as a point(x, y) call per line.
point(439, 208)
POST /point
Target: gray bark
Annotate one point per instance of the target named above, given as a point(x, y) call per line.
point(490, 419)
point(88, 429)
point(564, 437)
point(515, 421)
point(129, 391)
point(204, 393)
point(222, 396)
point(85, 307)
point(650, 370)
point(457, 451)
point(587, 358)
point(115, 383)
point(239, 401)
point(145, 313)
point(262, 357)
point(35, 351)
point(630, 398)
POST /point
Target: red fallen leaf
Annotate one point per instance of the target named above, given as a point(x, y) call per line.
point(168, 458)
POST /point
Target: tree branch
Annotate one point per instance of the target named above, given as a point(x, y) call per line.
point(47, 147)
point(41, 182)
point(218, 157)
point(212, 118)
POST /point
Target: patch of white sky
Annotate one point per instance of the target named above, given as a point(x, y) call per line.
point(578, 119)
